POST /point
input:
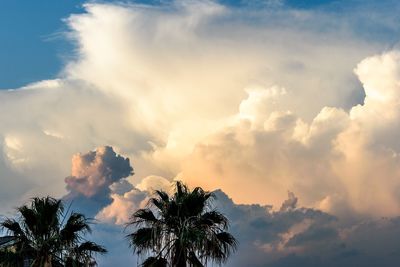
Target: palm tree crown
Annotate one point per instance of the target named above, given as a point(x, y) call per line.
point(181, 229)
point(43, 234)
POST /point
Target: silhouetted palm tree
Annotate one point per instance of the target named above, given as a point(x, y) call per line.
point(82, 255)
point(40, 234)
point(181, 229)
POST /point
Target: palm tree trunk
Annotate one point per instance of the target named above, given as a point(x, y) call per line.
point(48, 262)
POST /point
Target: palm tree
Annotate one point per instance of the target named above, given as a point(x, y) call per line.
point(181, 229)
point(82, 255)
point(42, 235)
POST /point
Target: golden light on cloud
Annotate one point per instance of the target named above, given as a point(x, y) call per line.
point(221, 105)
point(290, 116)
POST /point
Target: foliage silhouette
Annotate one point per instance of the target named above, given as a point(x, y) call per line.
point(43, 233)
point(181, 230)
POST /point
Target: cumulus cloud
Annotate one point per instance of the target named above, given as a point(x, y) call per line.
point(332, 162)
point(260, 230)
point(254, 101)
point(123, 206)
point(93, 172)
point(290, 203)
point(152, 183)
point(125, 203)
point(49, 125)
point(99, 187)
point(145, 91)
point(94, 175)
point(291, 236)
point(307, 237)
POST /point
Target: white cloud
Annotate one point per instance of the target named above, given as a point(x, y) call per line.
point(338, 155)
point(126, 202)
point(122, 207)
point(256, 102)
point(152, 183)
point(94, 172)
point(255, 107)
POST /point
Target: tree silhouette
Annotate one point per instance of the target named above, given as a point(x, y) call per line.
point(181, 229)
point(43, 233)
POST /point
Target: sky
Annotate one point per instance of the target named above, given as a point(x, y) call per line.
point(288, 110)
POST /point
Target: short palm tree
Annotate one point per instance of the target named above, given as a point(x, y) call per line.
point(43, 234)
point(181, 230)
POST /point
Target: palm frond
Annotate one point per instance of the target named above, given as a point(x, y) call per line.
point(12, 227)
point(143, 216)
point(76, 225)
point(227, 242)
point(162, 195)
point(213, 218)
point(10, 259)
point(155, 262)
point(142, 239)
point(91, 247)
point(194, 261)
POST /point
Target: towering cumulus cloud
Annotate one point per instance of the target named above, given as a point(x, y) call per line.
point(331, 162)
point(93, 174)
point(248, 102)
point(190, 91)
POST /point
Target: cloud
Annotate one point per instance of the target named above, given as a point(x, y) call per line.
point(145, 88)
point(294, 236)
point(122, 207)
point(152, 183)
point(125, 203)
point(93, 172)
point(48, 126)
point(265, 231)
point(255, 101)
point(338, 157)
point(290, 203)
point(145, 91)
point(260, 231)
point(253, 164)
point(289, 236)
point(98, 186)
point(307, 237)
point(93, 176)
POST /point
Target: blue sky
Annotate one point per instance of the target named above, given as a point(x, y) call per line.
point(31, 46)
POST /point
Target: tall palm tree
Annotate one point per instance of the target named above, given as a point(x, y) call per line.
point(44, 234)
point(181, 229)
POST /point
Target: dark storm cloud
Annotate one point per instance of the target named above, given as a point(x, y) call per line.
point(303, 237)
point(291, 236)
